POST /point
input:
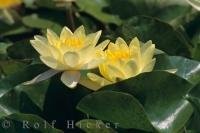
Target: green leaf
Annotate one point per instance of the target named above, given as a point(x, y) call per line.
point(186, 68)
point(196, 52)
point(29, 122)
point(173, 12)
point(36, 92)
point(15, 29)
point(22, 103)
point(34, 21)
point(10, 66)
point(167, 10)
point(117, 107)
point(194, 98)
point(3, 47)
point(22, 50)
point(95, 9)
point(46, 3)
point(162, 34)
point(21, 76)
point(28, 99)
point(18, 30)
point(3, 50)
point(162, 96)
point(94, 126)
point(60, 103)
point(196, 49)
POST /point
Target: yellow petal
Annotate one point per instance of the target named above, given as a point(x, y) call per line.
point(52, 37)
point(131, 68)
point(99, 80)
point(113, 46)
point(65, 33)
point(42, 49)
point(115, 73)
point(86, 82)
point(70, 78)
point(145, 46)
point(42, 39)
point(80, 32)
point(71, 59)
point(93, 38)
point(55, 52)
point(149, 67)
point(93, 63)
point(148, 53)
point(42, 46)
point(104, 71)
point(103, 45)
point(86, 52)
point(52, 63)
point(122, 44)
point(134, 44)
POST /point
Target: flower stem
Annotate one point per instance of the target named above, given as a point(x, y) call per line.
point(8, 16)
point(70, 16)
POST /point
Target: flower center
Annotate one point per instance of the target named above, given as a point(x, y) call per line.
point(74, 42)
point(117, 55)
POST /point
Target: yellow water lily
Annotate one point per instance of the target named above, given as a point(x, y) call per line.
point(9, 3)
point(70, 52)
point(123, 61)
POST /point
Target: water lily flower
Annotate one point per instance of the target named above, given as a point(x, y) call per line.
point(69, 53)
point(123, 61)
point(9, 3)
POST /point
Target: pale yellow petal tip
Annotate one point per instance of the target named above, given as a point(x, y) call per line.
point(65, 28)
point(99, 33)
point(153, 46)
point(49, 31)
point(32, 42)
point(103, 45)
point(173, 71)
point(135, 41)
point(120, 40)
point(149, 42)
point(36, 37)
point(80, 29)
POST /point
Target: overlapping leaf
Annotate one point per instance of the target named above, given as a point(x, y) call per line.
point(185, 68)
point(160, 93)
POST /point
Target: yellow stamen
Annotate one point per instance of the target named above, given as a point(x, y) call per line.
point(118, 54)
point(74, 42)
